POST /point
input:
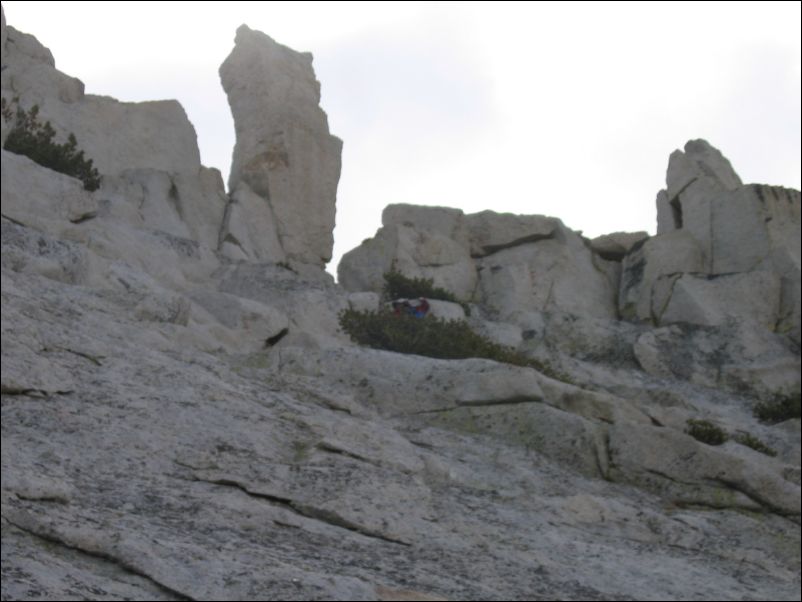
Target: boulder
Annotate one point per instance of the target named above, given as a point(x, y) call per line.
point(311, 305)
point(417, 253)
point(249, 229)
point(147, 135)
point(661, 256)
point(550, 275)
point(446, 221)
point(364, 301)
point(283, 151)
point(446, 310)
point(37, 196)
point(490, 232)
point(714, 300)
point(699, 162)
point(613, 247)
point(739, 229)
point(507, 262)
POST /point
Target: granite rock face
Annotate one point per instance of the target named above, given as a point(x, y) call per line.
point(182, 417)
point(507, 263)
point(284, 152)
point(749, 230)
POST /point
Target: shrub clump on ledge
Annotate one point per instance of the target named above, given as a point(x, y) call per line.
point(706, 432)
point(33, 139)
point(429, 336)
point(779, 408)
point(398, 286)
point(756, 444)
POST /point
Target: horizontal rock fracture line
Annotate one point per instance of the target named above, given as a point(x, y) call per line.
point(53, 538)
point(318, 514)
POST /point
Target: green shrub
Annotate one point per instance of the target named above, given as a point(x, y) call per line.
point(755, 443)
point(33, 139)
point(433, 337)
point(779, 408)
point(429, 336)
point(398, 286)
point(706, 432)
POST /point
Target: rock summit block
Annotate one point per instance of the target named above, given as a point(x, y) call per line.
point(284, 152)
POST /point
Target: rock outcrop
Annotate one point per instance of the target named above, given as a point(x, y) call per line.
point(183, 419)
point(286, 165)
point(739, 229)
point(506, 263)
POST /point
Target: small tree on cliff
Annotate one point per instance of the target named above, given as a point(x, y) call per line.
point(30, 137)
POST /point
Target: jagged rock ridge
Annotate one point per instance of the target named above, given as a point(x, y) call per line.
point(183, 419)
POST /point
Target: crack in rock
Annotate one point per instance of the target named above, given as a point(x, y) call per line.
point(51, 536)
point(329, 517)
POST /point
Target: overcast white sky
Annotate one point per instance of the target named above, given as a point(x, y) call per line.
point(564, 109)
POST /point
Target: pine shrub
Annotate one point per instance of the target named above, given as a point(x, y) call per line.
point(779, 408)
point(429, 336)
point(706, 432)
point(29, 137)
point(750, 440)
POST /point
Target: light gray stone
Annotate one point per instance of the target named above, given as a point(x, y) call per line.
point(29, 251)
point(238, 325)
point(736, 356)
point(700, 161)
point(691, 472)
point(283, 151)
point(29, 72)
point(545, 276)
point(3, 34)
point(402, 385)
point(40, 197)
point(445, 221)
point(147, 135)
point(491, 232)
point(616, 245)
point(673, 253)
point(415, 253)
point(667, 214)
point(364, 301)
point(249, 229)
point(244, 449)
point(446, 310)
point(712, 301)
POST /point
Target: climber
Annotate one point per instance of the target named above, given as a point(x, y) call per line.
point(417, 308)
point(400, 307)
point(421, 309)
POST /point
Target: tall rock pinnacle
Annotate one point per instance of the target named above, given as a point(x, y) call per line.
point(284, 152)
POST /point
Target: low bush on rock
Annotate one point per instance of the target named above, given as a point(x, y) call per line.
point(33, 139)
point(433, 337)
point(429, 336)
point(779, 408)
point(398, 286)
point(756, 444)
point(706, 432)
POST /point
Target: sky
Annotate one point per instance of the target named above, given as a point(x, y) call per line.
point(562, 109)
